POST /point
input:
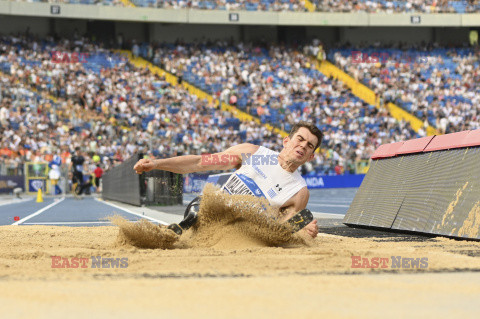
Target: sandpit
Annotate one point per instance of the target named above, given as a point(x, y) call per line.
point(229, 269)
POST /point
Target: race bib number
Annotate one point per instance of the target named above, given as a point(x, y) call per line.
point(239, 184)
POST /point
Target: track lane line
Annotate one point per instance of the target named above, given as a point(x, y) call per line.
point(65, 223)
point(38, 212)
point(131, 212)
point(13, 201)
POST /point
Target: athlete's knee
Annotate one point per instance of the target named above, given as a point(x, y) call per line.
point(194, 205)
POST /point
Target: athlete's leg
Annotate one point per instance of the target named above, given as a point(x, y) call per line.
point(190, 217)
point(74, 184)
point(194, 205)
point(80, 187)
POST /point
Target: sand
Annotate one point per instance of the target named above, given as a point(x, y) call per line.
point(229, 268)
point(246, 279)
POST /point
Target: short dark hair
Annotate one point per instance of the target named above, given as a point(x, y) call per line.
point(311, 127)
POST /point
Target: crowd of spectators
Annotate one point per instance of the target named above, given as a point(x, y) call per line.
point(112, 109)
point(369, 6)
point(399, 6)
point(247, 5)
point(438, 85)
point(281, 85)
point(110, 112)
point(118, 3)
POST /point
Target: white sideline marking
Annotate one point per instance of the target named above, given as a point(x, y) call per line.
point(15, 201)
point(133, 213)
point(38, 212)
point(66, 223)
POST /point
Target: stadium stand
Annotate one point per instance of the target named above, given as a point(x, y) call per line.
point(442, 89)
point(409, 6)
point(86, 2)
point(247, 5)
point(280, 85)
point(370, 6)
point(106, 106)
point(113, 109)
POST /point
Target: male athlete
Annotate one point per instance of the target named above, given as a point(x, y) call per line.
point(260, 171)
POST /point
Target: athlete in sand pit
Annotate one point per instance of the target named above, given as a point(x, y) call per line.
point(260, 171)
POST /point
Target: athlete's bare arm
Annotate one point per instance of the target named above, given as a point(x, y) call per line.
point(295, 204)
point(226, 160)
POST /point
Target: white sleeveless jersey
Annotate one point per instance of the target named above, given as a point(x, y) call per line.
point(261, 175)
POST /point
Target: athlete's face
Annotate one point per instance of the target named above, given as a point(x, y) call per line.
point(300, 146)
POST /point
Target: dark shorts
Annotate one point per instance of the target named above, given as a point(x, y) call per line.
point(77, 178)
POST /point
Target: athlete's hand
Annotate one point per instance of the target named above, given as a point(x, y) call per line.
point(312, 228)
point(143, 165)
